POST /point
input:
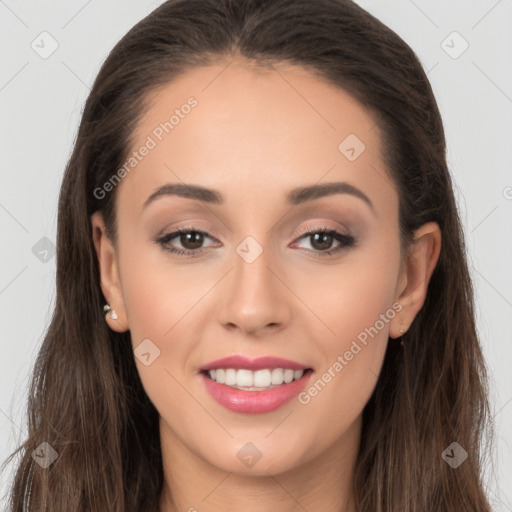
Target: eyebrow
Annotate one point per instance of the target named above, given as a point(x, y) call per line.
point(296, 196)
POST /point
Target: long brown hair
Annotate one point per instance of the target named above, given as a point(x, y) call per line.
point(86, 399)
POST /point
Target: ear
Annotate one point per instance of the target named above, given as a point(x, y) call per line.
point(109, 274)
point(415, 275)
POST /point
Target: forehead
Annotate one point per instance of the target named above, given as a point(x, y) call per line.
point(256, 131)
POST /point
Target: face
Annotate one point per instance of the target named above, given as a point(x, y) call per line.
point(263, 269)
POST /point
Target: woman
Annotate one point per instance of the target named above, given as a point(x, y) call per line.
point(259, 203)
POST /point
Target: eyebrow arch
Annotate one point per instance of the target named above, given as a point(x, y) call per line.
point(188, 191)
point(294, 197)
point(302, 194)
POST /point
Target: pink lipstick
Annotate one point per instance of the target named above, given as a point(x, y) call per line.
point(254, 386)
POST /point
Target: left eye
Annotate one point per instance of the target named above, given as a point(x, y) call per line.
point(322, 240)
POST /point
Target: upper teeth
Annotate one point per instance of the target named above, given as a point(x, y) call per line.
point(259, 379)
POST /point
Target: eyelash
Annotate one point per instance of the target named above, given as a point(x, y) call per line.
point(347, 241)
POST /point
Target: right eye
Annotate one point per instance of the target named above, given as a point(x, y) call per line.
point(191, 240)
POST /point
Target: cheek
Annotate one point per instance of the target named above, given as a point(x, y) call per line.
point(163, 305)
point(159, 317)
point(356, 304)
point(158, 294)
point(353, 295)
point(170, 319)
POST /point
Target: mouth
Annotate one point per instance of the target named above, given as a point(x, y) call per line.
point(254, 386)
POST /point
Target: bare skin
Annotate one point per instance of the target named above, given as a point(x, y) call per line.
point(253, 136)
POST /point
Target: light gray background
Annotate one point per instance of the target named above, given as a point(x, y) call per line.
point(41, 101)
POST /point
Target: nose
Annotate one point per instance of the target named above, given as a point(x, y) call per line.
point(255, 299)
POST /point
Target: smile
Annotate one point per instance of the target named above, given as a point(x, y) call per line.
point(254, 386)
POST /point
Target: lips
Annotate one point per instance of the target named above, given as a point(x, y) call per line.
point(276, 382)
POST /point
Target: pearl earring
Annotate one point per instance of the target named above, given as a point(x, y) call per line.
point(113, 314)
